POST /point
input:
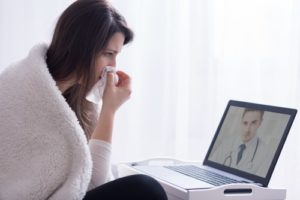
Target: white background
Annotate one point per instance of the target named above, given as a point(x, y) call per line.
point(189, 57)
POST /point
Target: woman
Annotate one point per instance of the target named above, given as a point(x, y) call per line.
point(54, 143)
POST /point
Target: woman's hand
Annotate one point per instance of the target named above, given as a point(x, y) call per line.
point(115, 94)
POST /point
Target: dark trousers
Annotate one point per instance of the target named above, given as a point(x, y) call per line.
point(135, 187)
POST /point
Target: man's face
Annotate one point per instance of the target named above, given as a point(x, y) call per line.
point(250, 123)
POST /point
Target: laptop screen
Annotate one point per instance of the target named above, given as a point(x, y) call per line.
point(249, 139)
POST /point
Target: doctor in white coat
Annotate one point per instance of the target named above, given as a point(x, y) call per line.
point(248, 152)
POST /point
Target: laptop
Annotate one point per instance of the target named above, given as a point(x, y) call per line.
point(244, 149)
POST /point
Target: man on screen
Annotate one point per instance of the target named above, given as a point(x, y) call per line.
point(247, 152)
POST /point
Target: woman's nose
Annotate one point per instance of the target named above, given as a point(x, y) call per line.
point(113, 63)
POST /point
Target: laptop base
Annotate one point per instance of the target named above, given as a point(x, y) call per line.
point(224, 192)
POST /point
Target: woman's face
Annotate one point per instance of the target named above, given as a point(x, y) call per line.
point(108, 56)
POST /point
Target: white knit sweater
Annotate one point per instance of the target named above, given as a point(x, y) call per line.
point(43, 150)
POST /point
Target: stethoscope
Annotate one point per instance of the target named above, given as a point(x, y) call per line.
point(228, 159)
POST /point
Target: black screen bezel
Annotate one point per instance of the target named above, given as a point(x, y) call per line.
point(261, 180)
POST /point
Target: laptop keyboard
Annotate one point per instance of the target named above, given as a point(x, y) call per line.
point(202, 174)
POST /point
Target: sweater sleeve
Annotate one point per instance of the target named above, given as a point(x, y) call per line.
point(101, 171)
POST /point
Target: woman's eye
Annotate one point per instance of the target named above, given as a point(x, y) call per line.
point(108, 54)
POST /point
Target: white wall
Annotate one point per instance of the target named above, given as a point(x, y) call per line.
point(25, 23)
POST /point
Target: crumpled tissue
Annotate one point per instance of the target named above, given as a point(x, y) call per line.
point(96, 93)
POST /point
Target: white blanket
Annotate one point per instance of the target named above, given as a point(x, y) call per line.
point(43, 150)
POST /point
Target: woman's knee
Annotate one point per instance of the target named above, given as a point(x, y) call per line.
point(149, 186)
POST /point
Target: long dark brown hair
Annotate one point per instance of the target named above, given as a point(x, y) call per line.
point(81, 33)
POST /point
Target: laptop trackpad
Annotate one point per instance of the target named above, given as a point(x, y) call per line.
point(173, 177)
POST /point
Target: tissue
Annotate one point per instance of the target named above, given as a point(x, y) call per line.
point(96, 93)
